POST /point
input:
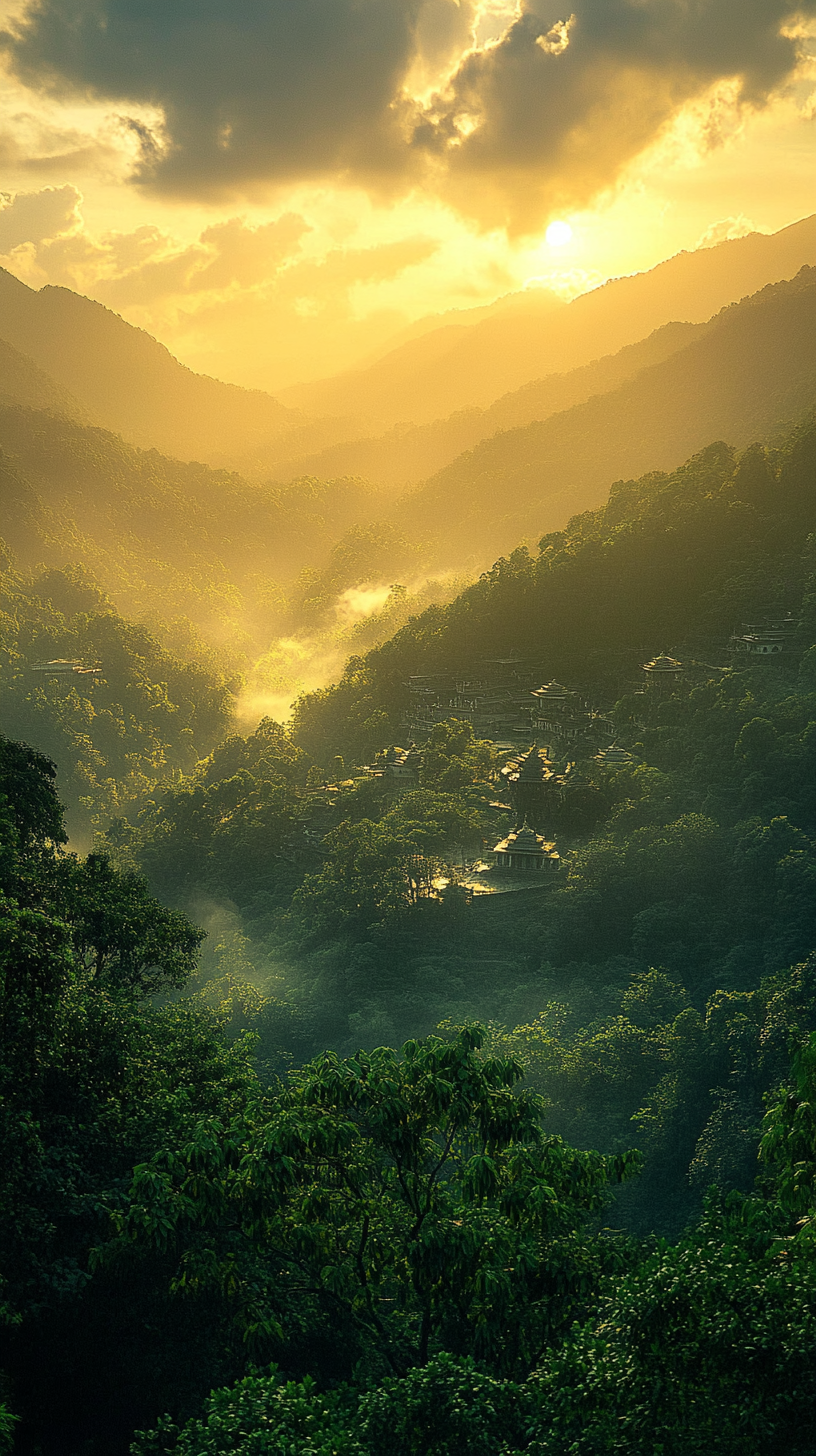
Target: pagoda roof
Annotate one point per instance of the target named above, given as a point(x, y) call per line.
point(534, 767)
point(524, 841)
point(663, 663)
point(613, 753)
point(554, 690)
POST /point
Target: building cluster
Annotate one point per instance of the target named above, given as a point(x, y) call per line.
point(493, 697)
point(498, 702)
point(773, 637)
point(497, 699)
point(567, 721)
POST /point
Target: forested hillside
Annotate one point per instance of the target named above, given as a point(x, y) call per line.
point(143, 718)
point(161, 536)
point(328, 1128)
point(687, 870)
point(448, 1247)
point(752, 372)
point(23, 383)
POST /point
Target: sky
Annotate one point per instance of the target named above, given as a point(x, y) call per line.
point(277, 188)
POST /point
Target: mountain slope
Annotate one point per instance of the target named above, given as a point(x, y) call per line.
point(161, 536)
point(21, 382)
point(432, 377)
point(403, 457)
point(672, 561)
point(128, 382)
point(752, 371)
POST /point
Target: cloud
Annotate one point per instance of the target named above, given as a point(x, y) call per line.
point(251, 90)
point(30, 217)
point(726, 229)
point(549, 116)
point(240, 299)
point(507, 113)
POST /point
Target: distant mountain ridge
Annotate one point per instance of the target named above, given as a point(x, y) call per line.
point(95, 366)
point(431, 377)
point(750, 373)
point(404, 457)
point(126, 381)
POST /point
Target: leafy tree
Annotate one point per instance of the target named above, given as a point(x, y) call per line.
point(414, 1196)
point(262, 1413)
point(92, 1081)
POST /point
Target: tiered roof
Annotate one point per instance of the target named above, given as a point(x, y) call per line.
point(613, 755)
point(663, 664)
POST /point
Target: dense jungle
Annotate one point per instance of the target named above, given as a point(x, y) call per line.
point(323, 1134)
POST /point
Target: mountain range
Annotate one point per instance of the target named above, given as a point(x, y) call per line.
point(748, 374)
point(95, 413)
point(410, 412)
point(459, 367)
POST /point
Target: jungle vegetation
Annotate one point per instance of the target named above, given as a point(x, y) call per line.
point(376, 1165)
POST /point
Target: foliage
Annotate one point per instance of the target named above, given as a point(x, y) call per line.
point(414, 1196)
point(261, 1414)
point(116, 736)
point(92, 1080)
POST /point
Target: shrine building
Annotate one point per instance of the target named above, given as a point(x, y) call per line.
point(525, 852)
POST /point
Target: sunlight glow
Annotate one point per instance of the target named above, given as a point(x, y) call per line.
point(558, 234)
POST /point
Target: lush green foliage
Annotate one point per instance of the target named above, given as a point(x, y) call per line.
point(416, 1238)
point(93, 1078)
point(412, 1200)
point(141, 723)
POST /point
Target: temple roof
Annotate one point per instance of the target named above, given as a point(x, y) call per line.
point(532, 767)
point(524, 841)
point(663, 663)
point(613, 754)
point(552, 691)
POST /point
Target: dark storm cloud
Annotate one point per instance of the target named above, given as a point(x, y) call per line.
point(554, 110)
point(257, 91)
point(250, 89)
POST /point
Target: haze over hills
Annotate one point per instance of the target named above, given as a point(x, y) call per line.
point(125, 380)
point(405, 456)
point(189, 541)
point(431, 377)
point(164, 537)
point(750, 373)
point(22, 382)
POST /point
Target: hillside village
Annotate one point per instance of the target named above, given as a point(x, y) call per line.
point(408, 955)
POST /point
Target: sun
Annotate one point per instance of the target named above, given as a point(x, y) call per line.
point(558, 234)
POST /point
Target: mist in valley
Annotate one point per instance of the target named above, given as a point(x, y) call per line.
point(407, 809)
